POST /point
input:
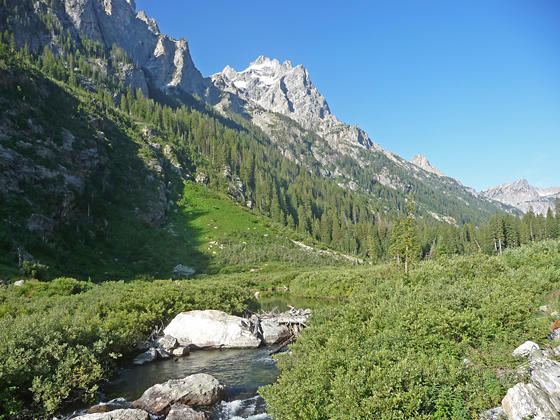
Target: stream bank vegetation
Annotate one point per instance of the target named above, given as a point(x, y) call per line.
point(435, 343)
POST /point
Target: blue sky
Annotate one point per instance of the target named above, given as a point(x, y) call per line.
point(473, 85)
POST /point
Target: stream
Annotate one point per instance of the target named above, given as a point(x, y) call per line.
point(243, 371)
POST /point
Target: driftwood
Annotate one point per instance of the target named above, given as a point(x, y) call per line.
point(294, 319)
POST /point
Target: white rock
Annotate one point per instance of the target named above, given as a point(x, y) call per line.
point(525, 401)
point(211, 329)
point(167, 342)
point(19, 283)
point(183, 270)
point(121, 414)
point(196, 390)
point(545, 374)
point(273, 332)
point(184, 412)
point(180, 351)
point(525, 349)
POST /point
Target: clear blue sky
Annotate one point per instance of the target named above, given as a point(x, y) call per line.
point(473, 85)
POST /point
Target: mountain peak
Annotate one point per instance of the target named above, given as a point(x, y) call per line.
point(422, 162)
point(524, 196)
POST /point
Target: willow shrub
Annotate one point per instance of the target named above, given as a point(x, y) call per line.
point(59, 340)
point(396, 347)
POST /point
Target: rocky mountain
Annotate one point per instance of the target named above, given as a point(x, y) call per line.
point(287, 90)
point(422, 162)
point(277, 97)
point(281, 99)
point(158, 59)
point(524, 197)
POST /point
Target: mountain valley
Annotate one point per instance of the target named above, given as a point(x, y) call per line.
point(134, 188)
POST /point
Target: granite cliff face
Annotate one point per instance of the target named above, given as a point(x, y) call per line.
point(422, 162)
point(287, 90)
point(281, 99)
point(523, 196)
point(277, 97)
point(158, 59)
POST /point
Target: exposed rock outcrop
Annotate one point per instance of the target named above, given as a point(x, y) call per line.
point(524, 196)
point(540, 397)
point(286, 89)
point(422, 162)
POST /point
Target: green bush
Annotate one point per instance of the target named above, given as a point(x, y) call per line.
point(395, 347)
point(34, 270)
point(58, 340)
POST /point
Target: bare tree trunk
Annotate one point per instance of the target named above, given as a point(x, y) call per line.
point(478, 245)
point(500, 243)
point(406, 261)
point(495, 246)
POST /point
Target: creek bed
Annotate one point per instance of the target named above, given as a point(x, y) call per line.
point(243, 371)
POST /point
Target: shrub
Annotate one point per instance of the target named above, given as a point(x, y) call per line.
point(34, 270)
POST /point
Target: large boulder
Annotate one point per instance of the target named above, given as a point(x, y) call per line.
point(545, 374)
point(195, 390)
point(526, 401)
point(123, 414)
point(211, 329)
point(273, 332)
point(184, 412)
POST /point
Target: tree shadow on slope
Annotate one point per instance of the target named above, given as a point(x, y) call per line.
point(105, 237)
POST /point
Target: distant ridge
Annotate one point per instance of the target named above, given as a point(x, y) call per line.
point(523, 196)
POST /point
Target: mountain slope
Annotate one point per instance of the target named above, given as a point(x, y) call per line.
point(281, 100)
point(524, 197)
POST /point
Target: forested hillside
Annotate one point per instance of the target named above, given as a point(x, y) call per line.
point(127, 157)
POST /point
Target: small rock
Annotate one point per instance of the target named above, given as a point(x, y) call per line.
point(467, 363)
point(556, 351)
point(19, 283)
point(167, 342)
point(273, 332)
point(543, 309)
point(181, 351)
point(525, 349)
point(148, 356)
point(555, 335)
point(162, 353)
point(496, 413)
point(184, 412)
point(181, 270)
point(195, 390)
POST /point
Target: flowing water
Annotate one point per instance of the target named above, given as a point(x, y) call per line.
point(243, 371)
